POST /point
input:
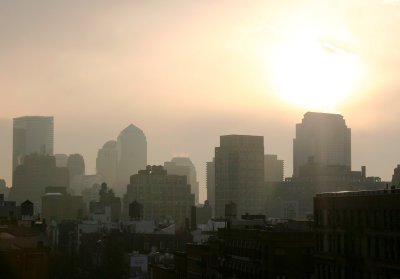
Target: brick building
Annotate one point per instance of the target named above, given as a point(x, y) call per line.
point(357, 234)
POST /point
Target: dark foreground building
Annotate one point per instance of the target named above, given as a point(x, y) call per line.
point(358, 234)
point(281, 251)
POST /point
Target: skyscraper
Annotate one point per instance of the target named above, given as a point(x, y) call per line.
point(211, 185)
point(239, 174)
point(34, 175)
point(184, 166)
point(32, 134)
point(324, 137)
point(76, 165)
point(132, 155)
point(106, 162)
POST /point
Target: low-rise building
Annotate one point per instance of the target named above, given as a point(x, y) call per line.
point(58, 205)
point(357, 234)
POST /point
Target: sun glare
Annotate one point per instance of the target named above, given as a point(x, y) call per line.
point(313, 74)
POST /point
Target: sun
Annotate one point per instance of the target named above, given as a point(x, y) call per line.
point(313, 74)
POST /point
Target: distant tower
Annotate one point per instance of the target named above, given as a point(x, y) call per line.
point(211, 185)
point(32, 135)
point(273, 168)
point(106, 162)
point(76, 165)
point(239, 174)
point(132, 155)
point(324, 137)
point(184, 166)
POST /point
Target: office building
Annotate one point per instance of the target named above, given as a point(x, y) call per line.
point(323, 136)
point(58, 205)
point(162, 195)
point(357, 234)
point(76, 165)
point(273, 168)
point(210, 169)
point(32, 135)
point(239, 174)
point(184, 166)
point(106, 163)
point(37, 173)
point(132, 155)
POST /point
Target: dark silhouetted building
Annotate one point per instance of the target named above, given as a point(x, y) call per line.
point(58, 205)
point(162, 195)
point(239, 174)
point(210, 168)
point(396, 176)
point(250, 251)
point(9, 209)
point(135, 211)
point(323, 136)
point(27, 209)
point(273, 168)
point(274, 252)
point(3, 188)
point(357, 234)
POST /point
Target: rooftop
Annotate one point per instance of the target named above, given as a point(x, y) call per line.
point(383, 192)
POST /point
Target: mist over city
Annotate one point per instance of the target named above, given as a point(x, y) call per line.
point(199, 139)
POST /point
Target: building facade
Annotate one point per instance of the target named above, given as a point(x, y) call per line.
point(132, 155)
point(357, 234)
point(32, 135)
point(162, 195)
point(106, 162)
point(37, 173)
point(210, 169)
point(184, 166)
point(323, 136)
point(239, 174)
point(273, 168)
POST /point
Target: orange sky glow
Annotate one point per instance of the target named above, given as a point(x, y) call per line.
point(186, 72)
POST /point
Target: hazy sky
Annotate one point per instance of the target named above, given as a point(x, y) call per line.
point(186, 72)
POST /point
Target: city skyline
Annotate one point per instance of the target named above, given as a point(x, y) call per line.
point(199, 139)
point(99, 77)
point(201, 165)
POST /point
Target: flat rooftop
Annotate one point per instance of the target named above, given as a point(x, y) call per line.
point(382, 192)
